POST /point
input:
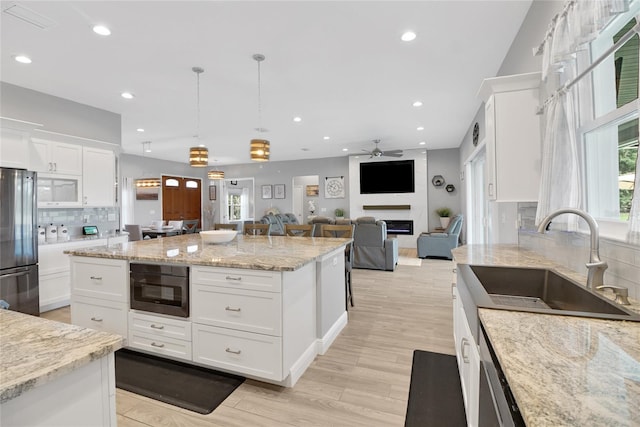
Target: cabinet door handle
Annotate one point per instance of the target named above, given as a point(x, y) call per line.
point(154, 326)
point(464, 343)
point(97, 319)
point(55, 167)
point(228, 350)
point(153, 344)
point(453, 294)
point(233, 278)
point(490, 189)
point(96, 278)
point(232, 309)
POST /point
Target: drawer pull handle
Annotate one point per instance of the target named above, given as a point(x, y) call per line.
point(153, 344)
point(232, 309)
point(228, 350)
point(463, 344)
point(97, 319)
point(96, 278)
point(233, 278)
point(154, 326)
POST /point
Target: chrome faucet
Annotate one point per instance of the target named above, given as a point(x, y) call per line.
point(595, 266)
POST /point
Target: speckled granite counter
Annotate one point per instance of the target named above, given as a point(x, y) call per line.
point(562, 370)
point(279, 253)
point(35, 351)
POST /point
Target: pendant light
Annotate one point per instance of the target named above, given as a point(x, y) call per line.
point(198, 156)
point(147, 182)
point(259, 148)
point(214, 174)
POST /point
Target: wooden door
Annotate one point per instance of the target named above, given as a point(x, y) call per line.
point(181, 198)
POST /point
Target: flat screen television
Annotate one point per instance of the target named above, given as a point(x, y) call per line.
point(387, 177)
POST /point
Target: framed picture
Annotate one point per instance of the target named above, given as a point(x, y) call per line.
point(266, 192)
point(278, 191)
point(213, 192)
point(313, 190)
point(145, 193)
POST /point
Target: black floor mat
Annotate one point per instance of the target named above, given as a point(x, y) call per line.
point(435, 394)
point(191, 387)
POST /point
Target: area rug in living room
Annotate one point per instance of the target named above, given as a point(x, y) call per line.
point(190, 387)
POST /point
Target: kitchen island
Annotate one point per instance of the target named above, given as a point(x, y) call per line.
point(53, 373)
point(259, 306)
point(562, 370)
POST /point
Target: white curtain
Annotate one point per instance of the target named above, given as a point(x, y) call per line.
point(128, 201)
point(560, 183)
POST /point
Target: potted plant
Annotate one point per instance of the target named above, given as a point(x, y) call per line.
point(444, 214)
point(339, 213)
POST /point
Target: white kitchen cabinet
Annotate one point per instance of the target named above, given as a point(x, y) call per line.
point(513, 137)
point(100, 294)
point(54, 157)
point(14, 142)
point(99, 177)
point(54, 270)
point(468, 357)
point(161, 335)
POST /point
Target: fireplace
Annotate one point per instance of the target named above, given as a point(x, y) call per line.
point(399, 226)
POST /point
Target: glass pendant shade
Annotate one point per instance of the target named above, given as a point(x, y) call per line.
point(148, 182)
point(260, 150)
point(199, 157)
point(213, 174)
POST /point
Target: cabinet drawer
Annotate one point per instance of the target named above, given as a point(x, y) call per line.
point(249, 311)
point(241, 352)
point(160, 345)
point(159, 326)
point(100, 278)
point(237, 278)
point(101, 315)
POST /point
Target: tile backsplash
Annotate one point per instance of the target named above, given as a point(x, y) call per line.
point(572, 250)
point(106, 219)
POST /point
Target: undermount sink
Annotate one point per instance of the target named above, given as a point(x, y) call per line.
point(541, 291)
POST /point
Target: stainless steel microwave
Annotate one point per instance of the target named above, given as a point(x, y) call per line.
point(160, 289)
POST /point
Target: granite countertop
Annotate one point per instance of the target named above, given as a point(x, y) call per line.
point(277, 253)
point(562, 370)
point(35, 351)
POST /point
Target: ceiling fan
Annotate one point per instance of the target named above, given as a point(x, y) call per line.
point(377, 152)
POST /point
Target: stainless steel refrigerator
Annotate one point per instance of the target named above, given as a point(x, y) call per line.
point(19, 240)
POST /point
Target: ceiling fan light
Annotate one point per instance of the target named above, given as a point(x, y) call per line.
point(198, 157)
point(214, 174)
point(260, 150)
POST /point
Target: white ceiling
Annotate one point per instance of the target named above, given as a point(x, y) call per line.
point(340, 66)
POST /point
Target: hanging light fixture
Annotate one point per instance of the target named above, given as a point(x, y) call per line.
point(147, 182)
point(259, 148)
point(198, 156)
point(214, 174)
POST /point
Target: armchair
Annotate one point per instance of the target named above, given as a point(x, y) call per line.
point(440, 244)
point(371, 247)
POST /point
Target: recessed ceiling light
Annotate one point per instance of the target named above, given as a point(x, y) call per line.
point(140, 130)
point(417, 104)
point(408, 36)
point(23, 59)
point(420, 128)
point(127, 95)
point(297, 119)
point(422, 143)
point(345, 149)
point(326, 137)
point(102, 30)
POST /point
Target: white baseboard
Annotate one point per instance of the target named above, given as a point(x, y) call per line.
point(301, 365)
point(325, 342)
point(53, 304)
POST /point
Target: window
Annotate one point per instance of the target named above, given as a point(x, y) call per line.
point(609, 123)
point(234, 204)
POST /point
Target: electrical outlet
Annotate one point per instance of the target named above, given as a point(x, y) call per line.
point(323, 209)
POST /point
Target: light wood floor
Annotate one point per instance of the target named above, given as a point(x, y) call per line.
point(363, 380)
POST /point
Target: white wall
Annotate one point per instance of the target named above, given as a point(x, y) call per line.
point(419, 211)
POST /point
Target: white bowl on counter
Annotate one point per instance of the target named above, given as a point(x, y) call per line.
point(218, 236)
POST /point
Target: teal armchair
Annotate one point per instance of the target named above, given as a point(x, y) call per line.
point(440, 244)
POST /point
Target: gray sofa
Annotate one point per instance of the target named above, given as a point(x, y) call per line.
point(277, 222)
point(372, 248)
point(440, 244)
